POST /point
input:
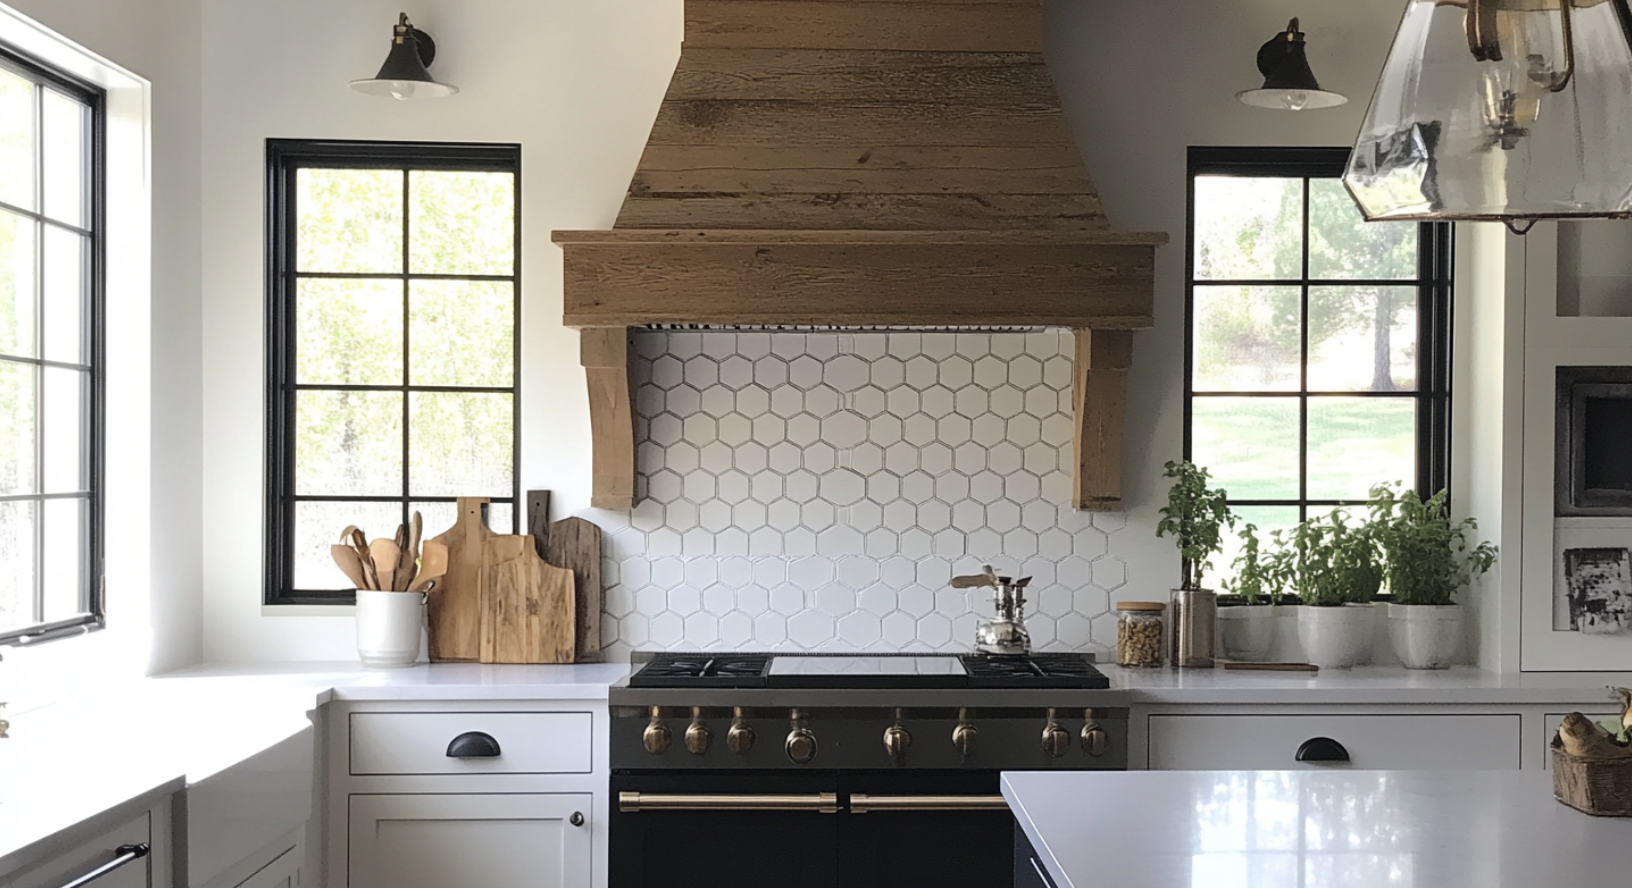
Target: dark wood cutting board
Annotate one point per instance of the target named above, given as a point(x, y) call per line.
point(575, 544)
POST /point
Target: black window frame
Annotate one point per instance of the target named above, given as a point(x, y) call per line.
point(93, 590)
point(1435, 305)
point(283, 158)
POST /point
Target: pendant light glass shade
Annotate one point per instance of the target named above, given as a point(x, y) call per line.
point(406, 72)
point(1505, 110)
point(1289, 85)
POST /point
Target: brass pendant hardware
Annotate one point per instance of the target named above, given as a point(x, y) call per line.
point(1056, 739)
point(740, 739)
point(897, 741)
point(698, 735)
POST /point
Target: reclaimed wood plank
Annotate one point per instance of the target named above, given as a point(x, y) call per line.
point(850, 212)
point(1004, 79)
point(760, 123)
point(947, 169)
point(1103, 359)
point(823, 284)
point(604, 353)
point(943, 27)
point(575, 544)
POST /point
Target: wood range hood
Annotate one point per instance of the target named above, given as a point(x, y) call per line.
point(862, 163)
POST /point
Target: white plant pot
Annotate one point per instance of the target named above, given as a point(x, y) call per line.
point(1336, 637)
point(1245, 632)
point(388, 627)
point(1425, 636)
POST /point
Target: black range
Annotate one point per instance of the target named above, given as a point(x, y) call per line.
point(845, 769)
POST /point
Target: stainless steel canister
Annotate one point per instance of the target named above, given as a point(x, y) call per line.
point(1193, 621)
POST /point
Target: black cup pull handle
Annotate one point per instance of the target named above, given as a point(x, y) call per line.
point(473, 744)
point(1322, 749)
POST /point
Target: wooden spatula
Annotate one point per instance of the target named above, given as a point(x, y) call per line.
point(345, 557)
point(359, 544)
point(386, 554)
point(433, 563)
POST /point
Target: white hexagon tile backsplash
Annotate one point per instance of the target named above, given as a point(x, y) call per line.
point(817, 491)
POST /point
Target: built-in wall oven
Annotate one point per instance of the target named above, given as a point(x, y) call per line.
point(889, 781)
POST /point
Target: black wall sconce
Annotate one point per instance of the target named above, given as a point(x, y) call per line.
point(1289, 85)
point(405, 74)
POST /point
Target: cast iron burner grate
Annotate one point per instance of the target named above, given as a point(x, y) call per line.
point(703, 671)
point(1034, 671)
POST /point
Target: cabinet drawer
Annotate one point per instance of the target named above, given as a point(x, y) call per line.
point(88, 856)
point(417, 742)
point(1398, 742)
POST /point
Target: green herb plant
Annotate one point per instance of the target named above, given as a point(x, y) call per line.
point(1427, 557)
point(1195, 514)
point(1256, 579)
point(1327, 562)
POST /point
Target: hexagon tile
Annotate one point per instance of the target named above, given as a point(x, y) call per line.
point(816, 491)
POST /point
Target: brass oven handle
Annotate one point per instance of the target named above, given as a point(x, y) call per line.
point(635, 802)
point(861, 804)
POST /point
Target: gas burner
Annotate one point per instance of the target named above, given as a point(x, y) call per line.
point(703, 671)
point(1034, 671)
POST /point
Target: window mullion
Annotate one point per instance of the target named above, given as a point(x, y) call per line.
point(1303, 364)
point(407, 344)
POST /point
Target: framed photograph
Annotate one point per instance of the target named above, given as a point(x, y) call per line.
point(1597, 591)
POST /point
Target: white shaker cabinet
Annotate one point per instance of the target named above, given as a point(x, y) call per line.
point(283, 872)
point(151, 870)
point(1408, 742)
point(473, 841)
point(467, 793)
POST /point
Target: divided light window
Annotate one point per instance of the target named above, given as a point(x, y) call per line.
point(1318, 343)
point(50, 352)
point(393, 294)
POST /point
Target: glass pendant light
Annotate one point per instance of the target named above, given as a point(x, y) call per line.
point(1289, 85)
point(406, 74)
point(1501, 110)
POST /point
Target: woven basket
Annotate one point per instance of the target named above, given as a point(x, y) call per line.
point(1597, 786)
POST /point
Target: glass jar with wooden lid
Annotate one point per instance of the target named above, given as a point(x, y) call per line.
point(1139, 633)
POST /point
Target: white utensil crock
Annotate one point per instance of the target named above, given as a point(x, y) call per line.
point(388, 627)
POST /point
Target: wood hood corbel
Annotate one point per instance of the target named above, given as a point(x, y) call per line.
point(862, 163)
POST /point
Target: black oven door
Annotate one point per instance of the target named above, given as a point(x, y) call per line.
point(699, 830)
point(936, 829)
point(814, 829)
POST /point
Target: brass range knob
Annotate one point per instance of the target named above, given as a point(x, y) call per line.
point(963, 738)
point(740, 738)
point(801, 743)
point(657, 735)
point(897, 740)
point(698, 735)
point(1056, 740)
point(1095, 741)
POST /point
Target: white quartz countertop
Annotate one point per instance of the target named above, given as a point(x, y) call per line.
point(1314, 829)
point(72, 761)
point(440, 681)
point(1381, 685)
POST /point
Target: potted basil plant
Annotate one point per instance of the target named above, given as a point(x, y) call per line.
point(1246, 620)
point(1334, 568)
point(1427, 560)
point(1196, 514)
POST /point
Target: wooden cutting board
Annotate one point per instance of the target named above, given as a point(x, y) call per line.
point(527, 605)
point(456, 604)
point(575, 544)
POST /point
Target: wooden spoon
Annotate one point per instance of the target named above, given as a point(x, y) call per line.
point(433, 563)
point(385, 554)
point(354, 538)
point(345, 557)
point(409, 563)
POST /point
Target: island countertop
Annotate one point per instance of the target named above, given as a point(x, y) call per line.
point(1314, 829)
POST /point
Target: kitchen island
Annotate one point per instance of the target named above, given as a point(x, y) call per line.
point(1312, 829)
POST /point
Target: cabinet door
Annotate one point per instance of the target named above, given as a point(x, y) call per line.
point(70, 865)
point(472, 841)
point(284, 872)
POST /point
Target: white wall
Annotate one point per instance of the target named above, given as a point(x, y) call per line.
point(154, 444)
point(577, 83)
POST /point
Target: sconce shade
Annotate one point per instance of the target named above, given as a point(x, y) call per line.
point(1289, 85)
point(1501, 110)
point(406, 72)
